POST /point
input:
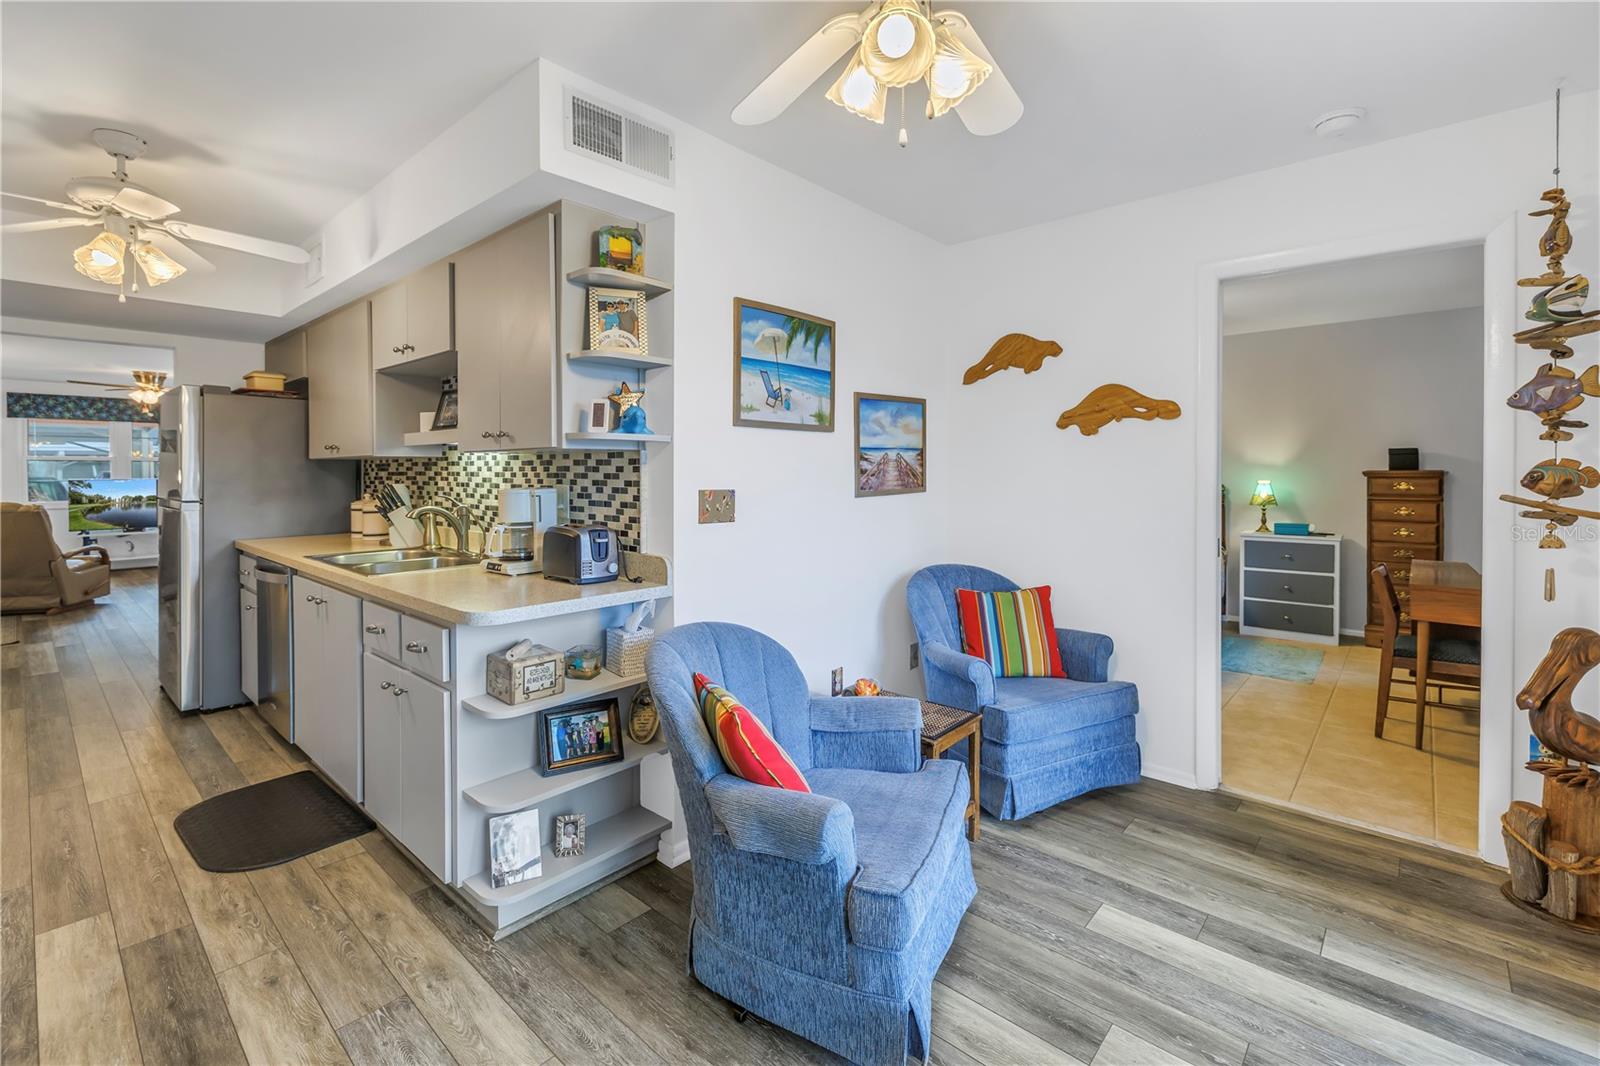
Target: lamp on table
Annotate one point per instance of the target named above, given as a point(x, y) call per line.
point(1263, 498)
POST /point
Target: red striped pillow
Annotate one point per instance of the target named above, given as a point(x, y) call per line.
point(1014, 632)
point(748, 750)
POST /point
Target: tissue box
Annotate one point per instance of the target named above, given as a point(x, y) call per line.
point(534, 675)
point(625, 651)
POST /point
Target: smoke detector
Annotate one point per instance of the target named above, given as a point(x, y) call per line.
point(1336, 124)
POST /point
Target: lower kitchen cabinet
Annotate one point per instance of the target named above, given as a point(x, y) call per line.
point(407, 756)
point(327, 681)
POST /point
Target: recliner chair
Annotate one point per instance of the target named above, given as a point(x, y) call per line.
point(35, 575)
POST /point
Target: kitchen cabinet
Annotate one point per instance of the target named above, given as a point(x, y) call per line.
point(407, 760)
point(249, 646)
point(339, 372)
point(327, 681)
point(414, 317)
point(286, 355)
point(506, 338)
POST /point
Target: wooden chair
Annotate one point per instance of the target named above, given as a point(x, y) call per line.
point(1452, 662)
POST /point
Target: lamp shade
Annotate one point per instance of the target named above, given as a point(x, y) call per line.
point(898, 44)
point(158, 267)
point(954, 74)
point(101, 258)
point(1263, 496)
point(858, 92)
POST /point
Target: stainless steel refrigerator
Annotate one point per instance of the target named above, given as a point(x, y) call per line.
point(232, 466)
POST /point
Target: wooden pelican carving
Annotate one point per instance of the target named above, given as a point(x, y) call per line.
point(1547, 697)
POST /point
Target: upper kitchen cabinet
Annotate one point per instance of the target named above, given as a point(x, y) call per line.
point(339, 371)
point(286, 355)
point(506, 338)
point(414, 317)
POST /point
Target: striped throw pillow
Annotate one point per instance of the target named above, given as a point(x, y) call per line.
point(748, 750)
point(1014, 632)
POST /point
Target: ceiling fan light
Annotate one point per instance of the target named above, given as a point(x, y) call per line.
point(898, 44)
point(158, 267)
point(858, 92)
point(954, 75)
point(101, 258)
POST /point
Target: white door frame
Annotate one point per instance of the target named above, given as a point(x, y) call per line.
point(1498, 730)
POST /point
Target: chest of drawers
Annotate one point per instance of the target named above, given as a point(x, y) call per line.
point(1289, 587)
point(1405, 522)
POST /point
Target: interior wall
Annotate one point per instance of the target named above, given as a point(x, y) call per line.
point(1110, 519)
point(1311, 408)
point(195, 360)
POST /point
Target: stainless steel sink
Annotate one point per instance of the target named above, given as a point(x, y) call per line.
point(396, 560)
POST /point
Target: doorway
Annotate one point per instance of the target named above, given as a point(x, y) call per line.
point(1328, 681)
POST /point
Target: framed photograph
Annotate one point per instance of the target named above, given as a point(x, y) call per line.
point(570, 836)
point(891, 444)
point(599, 420)
point(782, 368)
point(617, 320)
point(448, 413)
point(579, 735)
point(514, 848)
point(621, 248)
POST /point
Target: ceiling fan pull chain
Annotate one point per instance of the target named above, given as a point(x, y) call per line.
point(905, 138)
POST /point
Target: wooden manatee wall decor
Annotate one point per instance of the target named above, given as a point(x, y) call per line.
point(1113, 403)
point(1014, 349)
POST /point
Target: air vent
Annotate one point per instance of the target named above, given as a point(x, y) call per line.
point(604, 132)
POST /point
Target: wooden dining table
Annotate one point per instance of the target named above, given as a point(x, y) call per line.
point(1442, 593)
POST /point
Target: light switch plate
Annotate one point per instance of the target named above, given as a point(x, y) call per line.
point(716, 505)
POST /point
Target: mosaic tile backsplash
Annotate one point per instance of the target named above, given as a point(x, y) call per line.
point(601, 486)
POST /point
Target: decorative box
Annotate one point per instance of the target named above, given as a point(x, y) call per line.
point(625, 650)
point(517, 677)
point(583, 661)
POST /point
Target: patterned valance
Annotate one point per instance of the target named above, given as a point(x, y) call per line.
point(75, 408)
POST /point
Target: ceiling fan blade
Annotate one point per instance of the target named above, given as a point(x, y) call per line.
point(995, 107)
point(57, 204)
point(47, 223)
point(239, 242)
point(794, 75)
point(103, 385)
point(188, 257)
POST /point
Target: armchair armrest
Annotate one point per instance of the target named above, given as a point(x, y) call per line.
point(968, 668)
point(1085, 656)
point(867, 733)
point(802, 827)
point(92, 549)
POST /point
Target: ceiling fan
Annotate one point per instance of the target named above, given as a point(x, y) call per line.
point(896, 42)
point(135, 222)
point(148, 387)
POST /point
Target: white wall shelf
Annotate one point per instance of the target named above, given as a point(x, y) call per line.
point(618, 438)
point(560, 873)
point(610, 278)
point(577, 689)
point(620, 360)
point(431, 437)
point(527, 788)
point(437, 365)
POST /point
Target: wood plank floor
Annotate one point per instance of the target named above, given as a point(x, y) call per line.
point(1138, 925)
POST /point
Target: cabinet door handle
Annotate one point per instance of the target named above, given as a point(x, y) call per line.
point(248, 607)
point(1287, 555)
point(1404, 486)
point(1404, 531)
point(398, 691)
point(1404, 553)
point(395, 349)
point(334, 447)
point(1401, 575)
point(387, 685)
point(1405, 512)
point(1288, 618)
point(1288, 588)
point(487, 435)
point(408, 347)
point(375, 629)
point(310, 598)
point(416, 646)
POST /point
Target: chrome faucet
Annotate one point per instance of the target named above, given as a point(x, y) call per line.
point(459, 518)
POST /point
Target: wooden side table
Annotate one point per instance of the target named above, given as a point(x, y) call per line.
point(943, 728)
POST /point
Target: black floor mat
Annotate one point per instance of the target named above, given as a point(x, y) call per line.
point(268, 824)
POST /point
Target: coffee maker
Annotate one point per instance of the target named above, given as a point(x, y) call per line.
point(512, 547)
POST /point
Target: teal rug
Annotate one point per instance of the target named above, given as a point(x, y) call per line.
point(1265, 658)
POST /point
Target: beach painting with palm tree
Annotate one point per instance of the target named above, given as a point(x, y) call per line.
point(782, 368)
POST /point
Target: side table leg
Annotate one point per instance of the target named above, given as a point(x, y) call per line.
point(974, 761)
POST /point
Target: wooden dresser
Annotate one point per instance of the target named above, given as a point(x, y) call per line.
point(1405, 521)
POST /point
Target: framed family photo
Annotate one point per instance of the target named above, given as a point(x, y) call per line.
point(783, 372)
point(617, 321)
point(891, 444)
point(579, 735)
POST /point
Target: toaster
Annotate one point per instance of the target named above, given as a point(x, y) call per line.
point(582, 555)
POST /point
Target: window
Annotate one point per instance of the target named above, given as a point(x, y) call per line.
point(62, 451)
point(146, 449)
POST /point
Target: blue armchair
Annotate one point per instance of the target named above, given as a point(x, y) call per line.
point(825, 913)
point(1045, 739)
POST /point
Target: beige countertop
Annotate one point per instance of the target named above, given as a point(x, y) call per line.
point(462, 595)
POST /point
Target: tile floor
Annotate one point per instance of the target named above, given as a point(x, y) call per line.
point(1312, 746)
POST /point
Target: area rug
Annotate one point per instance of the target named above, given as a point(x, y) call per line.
point(268, 823)
point(1266, 658)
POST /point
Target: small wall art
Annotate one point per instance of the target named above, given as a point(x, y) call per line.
point(1113, 403)
point(891, 445)
point(1012, 350)
point(783, 368)
point(617, 321)
point(620, 248)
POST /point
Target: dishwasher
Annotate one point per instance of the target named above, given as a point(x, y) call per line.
point(275, 644)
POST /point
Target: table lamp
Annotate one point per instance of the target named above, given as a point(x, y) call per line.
point(1263, 498)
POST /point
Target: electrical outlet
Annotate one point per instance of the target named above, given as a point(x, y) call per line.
point(916, 655)
point(716, 505)
point(838, 681)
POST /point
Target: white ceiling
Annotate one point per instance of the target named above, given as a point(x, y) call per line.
point(24, 357)
point(1411, 283)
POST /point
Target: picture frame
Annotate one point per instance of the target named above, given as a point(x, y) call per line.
point(891, 453)
point(644, 720)
point(618, 321)
point(448, 414)
point(579, 735)
point(570, 835)
point(599, 416)
point(620, 248)
point(784, 368)
point(514, 848)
